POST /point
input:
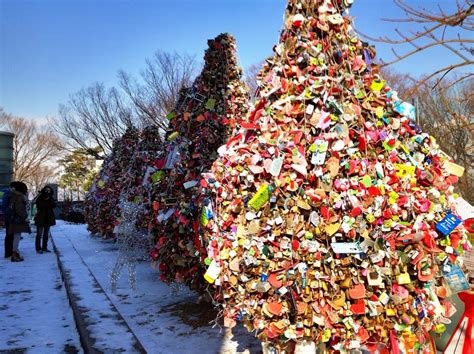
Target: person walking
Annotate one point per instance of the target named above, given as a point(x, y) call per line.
point(44, 218)
point(19, 217)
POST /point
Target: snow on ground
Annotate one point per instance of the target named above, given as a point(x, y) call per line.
point(106, 329)
point(164, 320)
point(35, 315)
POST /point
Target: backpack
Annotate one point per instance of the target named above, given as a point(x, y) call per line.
point(6, 207)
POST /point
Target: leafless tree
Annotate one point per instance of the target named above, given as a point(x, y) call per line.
point(35, 149)
point(43, 175)
point(437, 28)
point(160, 82)
point(251, 74)
point(93, 118)
point(447, 113)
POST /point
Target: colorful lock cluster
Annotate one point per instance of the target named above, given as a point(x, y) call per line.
point(137, 184)
point(322, 214)
point(198, 127)
point(333, 215)
point(100, 207)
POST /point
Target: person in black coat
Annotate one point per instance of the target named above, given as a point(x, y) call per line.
point(44, 218)
point(7, 214)
point(19, 217)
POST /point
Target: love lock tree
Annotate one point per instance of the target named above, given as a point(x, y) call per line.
point(200, 124)
point(333, 221)
point(103, 197)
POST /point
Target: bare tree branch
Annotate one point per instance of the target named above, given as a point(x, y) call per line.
point(161, 81)
point(35, 149)
point(93, 118)
point(442, 70)
point(251, 76)
point(433, 33)
point(419, 49)
point(447, 113)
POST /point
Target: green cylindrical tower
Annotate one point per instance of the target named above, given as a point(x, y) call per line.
point(6, 158)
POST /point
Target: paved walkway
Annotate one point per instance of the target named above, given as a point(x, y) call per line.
point(35, 315)
point(164, 319)
point(101, 326)
point(62, 302)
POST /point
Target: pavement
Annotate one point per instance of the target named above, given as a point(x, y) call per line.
point(34, 308)
point(63, 302)
point(100, 325)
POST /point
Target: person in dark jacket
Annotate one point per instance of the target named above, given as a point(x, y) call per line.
point(19, 219)
point(7, 219)
point(44, 218)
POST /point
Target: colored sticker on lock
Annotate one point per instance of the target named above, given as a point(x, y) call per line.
point(211, 103)
point(404, 171)
point(405, 109)
point(173, 136)
point(212, 272)
point(261, 197)
point(403, 278)
point(206, 215)
point(377, 85)
point(157, 176)
point(171, 115)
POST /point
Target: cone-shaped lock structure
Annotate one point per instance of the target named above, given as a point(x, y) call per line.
point(334, 217)
point(202, 123)
point(102, 200)
point(137, 183)
point(149, 170)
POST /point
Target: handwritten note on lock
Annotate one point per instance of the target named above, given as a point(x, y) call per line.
point(346, 247)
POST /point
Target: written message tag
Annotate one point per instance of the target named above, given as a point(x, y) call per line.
point(172, 158)
point(346, 247)
point(456, 279)
point(448, 224)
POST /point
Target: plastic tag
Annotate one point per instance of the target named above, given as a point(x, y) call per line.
point(260, 198)
point(172, 158)
point(448, 224)
point(453, 169)
point(190, 184)
point(456, 279)
point(276, 166)
point(319, 154)
point(346, 247)
point(212, 272)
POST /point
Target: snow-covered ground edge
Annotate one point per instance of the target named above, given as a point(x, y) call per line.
point(164, 319)
point(101, 326)
point(35, 316)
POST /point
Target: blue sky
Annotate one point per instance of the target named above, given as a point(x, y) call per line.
point(50, 49)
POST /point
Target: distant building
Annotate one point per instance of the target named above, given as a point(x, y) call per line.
point(6, 158)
